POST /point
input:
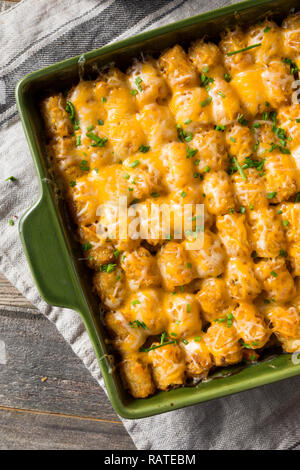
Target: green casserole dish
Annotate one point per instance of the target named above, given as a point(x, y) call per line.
point(45, 230)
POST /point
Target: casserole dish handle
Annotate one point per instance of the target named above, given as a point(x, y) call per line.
point(51, 266)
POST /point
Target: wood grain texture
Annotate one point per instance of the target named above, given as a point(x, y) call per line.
point(48, 399)
point(10, 297)
point(19, 430)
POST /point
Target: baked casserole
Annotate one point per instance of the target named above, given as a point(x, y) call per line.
point(217, 125)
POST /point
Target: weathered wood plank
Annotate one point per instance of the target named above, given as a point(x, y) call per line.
point(11, 297)
point(34, 350)
point(21, 430)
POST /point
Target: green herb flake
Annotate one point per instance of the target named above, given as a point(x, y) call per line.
point(138, 324)
point(272, 195)
point(241, 119)
point(244, 49)
point(86, 246)
point(134, 164)
point(144, 148)
point(84, 165)
point(72, 184)
point(240, 170)
point(206, 102)
point(135, 302)
point(11, 222)
point(107, 268)
point(283, 253)
point(227, 77)
point(267, 29)
point(11, 178)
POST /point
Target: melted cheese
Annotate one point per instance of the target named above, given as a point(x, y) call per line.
point(181, 130)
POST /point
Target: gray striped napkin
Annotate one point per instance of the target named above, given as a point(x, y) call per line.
point(39, 33)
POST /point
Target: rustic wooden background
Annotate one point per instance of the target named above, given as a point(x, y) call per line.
point(48, 399)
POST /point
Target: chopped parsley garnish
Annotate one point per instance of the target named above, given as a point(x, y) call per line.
point(283, 253)
point(155, 194)
point(221, 94)
point(227, 77)
point(86, 246)
point(191, 152)
point(231, 210)
point(232, 139)
point(135, 302)
point(100, 142)
point(157, 346)
point(103, 99)
point(90, 128)
point(185, 341)
point(285, 223)
point(71, 111)
point(297, 197)
point(183, 194)
point(267, 29)
point(240, 170)
point(244, 49)
point(293, 67)
point(205, 80)
point(250, 163)
point(107, 268)
point(144, 148)
point(116, 253)
point(242, 120)
point(78, 140)
point(134, 164)
point(189, 265)
point(272, 195)
point(188, 121)
point(138, 324)
point(198, 338)
point(11, 222)
point(84, 165)
point(181, 133)
point(138, 82)
point(242, 210)
point(206, 102)
point(100, 122)
point(220, 128)
point(134, 92)
point(188, 308)
point(206, 169)
point(11, 178)
point(72, 184)
point(228, 319)
point(273, 273)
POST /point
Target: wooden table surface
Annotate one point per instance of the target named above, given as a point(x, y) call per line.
point(48, 399)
